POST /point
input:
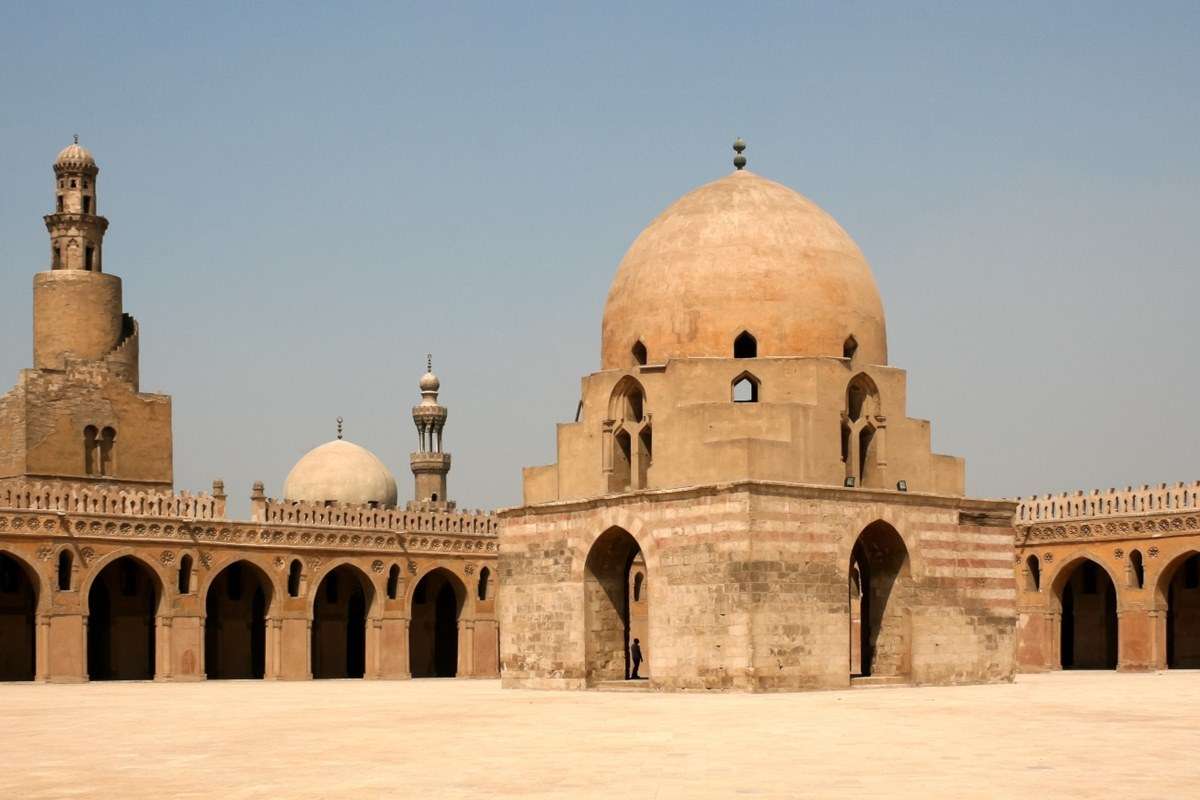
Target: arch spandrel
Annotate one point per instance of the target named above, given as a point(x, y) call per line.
point(1065, 570)
point(584, 540)
point(265, 571)
point(1165, 574)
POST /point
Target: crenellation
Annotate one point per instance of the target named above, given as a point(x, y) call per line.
point(1107, 503)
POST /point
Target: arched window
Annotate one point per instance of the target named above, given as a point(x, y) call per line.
point(64, 570)
point(745, 388)
point(294, 578)
point(485, 576)
point(90, 455)
point(745, 346)
point(628, 461)
point(185, 575)
point(861, 432)
point(108, 438)
point(1137, 570)
point(393, 584)
point(639, 581)
point(1034, 568)
point(639, 353)
point(849, 347)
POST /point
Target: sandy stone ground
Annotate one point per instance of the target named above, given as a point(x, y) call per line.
point(1053, 736)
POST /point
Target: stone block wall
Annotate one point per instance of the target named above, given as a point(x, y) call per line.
point(749, 587)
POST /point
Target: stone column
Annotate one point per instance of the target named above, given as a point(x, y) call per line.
point(162, 646)
point(466, 649)
point(41, 648)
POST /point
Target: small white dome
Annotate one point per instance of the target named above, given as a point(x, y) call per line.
point(341, 472)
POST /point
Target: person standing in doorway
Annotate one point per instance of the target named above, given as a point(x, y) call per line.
point(635, 655)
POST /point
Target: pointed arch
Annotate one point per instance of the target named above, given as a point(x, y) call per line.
point(438, 605)
point(745, 388)
point(745, 345)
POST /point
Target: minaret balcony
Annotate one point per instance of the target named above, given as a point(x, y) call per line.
point(430, 462)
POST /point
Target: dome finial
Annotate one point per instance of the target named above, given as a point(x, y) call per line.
point(739, 161)
point(429, 362)
point(77, 138)
point(339, 427)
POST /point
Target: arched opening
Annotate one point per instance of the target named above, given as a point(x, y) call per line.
point(185, 575)
point(108, 439)
point(235, 625)
point(849, 347)
point(1088, 626)
point(880, 587)
point(861, 433)
point(613, 619)
point(1182, 588)
point(639, 353)
point(18, 614)
point(293, 586)
point(122, 606)
point(645, 456)
point(393, 581)
point(622, 460)
point(485, 576)
point(745, 346)
point(64, 570)
point(745, 388)
point(1137, 570)
point(868, 463)
point(1033, 573)
point(433, 631)
point(90, 455)
point(339, 627)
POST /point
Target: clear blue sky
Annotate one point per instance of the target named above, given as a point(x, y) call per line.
point(306, 198)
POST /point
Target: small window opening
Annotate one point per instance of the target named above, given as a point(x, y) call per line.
point(393, 583)
point(745, 346)
point(1137, 569)
point(1090, 577)
point(294, 578)
point(72, 183)
point(57, 262)
point(64, 571)
point(485, 575)
point(850, 347)
point(89, 253)
point(639, 353)
point(433, 497)
point(85, 183)
point(87, 205)
point(185, 575)
point(745, 390)
point(1035, 573)
point(638, 581)
point(90, 437)
point(108, 438)
point(60, 204)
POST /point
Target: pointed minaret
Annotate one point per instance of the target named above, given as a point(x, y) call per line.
point(429, 463)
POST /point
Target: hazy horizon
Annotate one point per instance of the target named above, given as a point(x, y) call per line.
point(306, 199)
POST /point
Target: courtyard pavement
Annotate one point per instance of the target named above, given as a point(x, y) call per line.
point(1059, 735)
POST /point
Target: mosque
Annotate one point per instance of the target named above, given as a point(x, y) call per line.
point(741, 491)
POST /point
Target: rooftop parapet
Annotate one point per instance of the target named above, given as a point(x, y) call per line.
point(72, 498)
point(414, 518)
point(1113, 502)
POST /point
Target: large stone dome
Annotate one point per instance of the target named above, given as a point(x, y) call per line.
point(341, 472)
point(742, 254)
